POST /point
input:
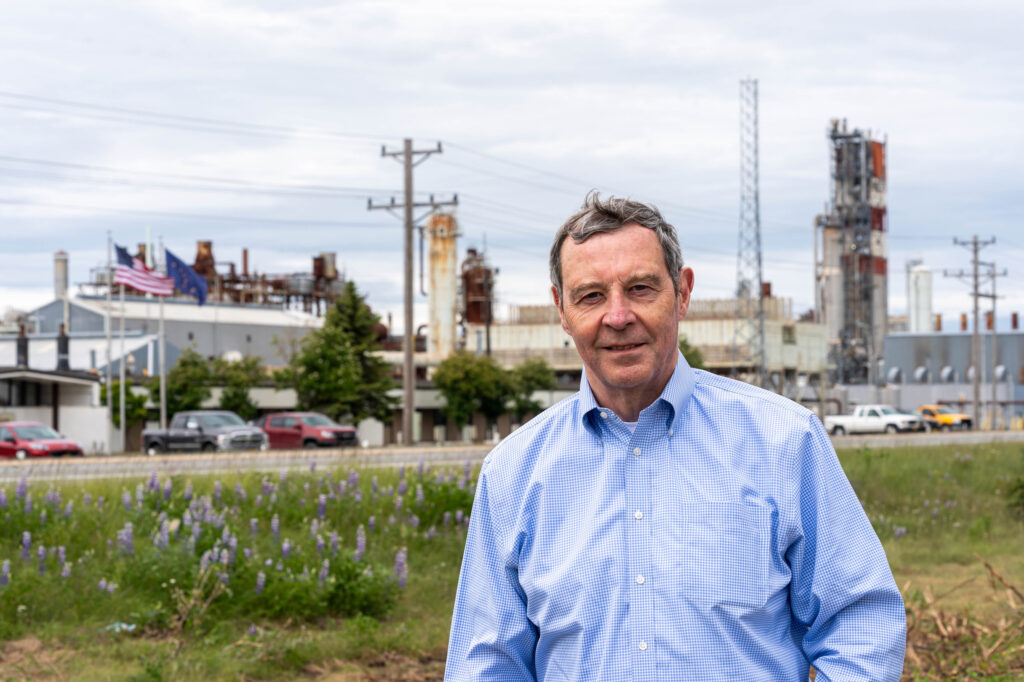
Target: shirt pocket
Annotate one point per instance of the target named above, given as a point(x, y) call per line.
point(723, 554)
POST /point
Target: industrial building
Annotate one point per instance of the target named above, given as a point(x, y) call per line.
point(851, 255)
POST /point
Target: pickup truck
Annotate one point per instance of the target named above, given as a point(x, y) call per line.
point(873, 419)
point(941, 417)
point(204, 430)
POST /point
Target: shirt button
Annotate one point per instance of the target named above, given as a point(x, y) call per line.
point(636, 451)
point(604, 415)
point(643, 645)
point(639, 580)
point(670, 432)
point(638, 515)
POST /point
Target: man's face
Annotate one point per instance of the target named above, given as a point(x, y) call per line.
point(620, 308)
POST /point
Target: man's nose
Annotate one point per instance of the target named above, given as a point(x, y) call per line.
point(619, 313)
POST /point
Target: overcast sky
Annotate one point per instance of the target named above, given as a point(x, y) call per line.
point(197, 119)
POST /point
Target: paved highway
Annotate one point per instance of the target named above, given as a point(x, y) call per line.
point(449, 455)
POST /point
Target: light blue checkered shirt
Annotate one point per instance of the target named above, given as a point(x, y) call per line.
point(720, 540)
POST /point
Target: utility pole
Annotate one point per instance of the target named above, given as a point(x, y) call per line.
point(994, 339)
point(975, 245)
point(749, 315)
point(408, 159)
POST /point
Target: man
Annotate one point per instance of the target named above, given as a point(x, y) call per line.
point(664, 523)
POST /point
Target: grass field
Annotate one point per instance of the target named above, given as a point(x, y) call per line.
point(940, 512)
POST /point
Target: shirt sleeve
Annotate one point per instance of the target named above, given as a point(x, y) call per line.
point(842, 589)
point(491, 637)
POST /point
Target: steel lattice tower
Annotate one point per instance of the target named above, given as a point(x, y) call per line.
point(748, 344)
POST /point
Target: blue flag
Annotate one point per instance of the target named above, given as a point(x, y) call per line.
point(185, 278)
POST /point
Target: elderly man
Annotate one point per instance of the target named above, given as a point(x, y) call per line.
point(664, 523)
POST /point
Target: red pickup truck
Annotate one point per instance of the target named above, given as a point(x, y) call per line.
point(293, 430)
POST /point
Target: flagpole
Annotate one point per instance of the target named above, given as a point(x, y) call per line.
point(110, 396)
point(163, 348)
point(124, 427)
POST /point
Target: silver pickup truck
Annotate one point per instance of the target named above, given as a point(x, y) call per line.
point(205, 430)
point(873, 419)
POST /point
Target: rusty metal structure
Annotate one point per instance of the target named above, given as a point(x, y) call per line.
point(441, 233)
point(478, 292)
point(851, 288)
point(312, 292)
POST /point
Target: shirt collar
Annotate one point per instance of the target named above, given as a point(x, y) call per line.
point(675, 394)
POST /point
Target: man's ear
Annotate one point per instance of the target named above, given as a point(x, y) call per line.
point(558, 304)
point(685, 289)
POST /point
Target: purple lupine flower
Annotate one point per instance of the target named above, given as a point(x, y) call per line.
point(320, 544)
point(446, 520)
point(419, 493)
point(86, 499)
point(168, 489)
point(28, 504)
point(266, 486)
point(391, 520)
point(439, 479)
point(253, 630)
point(188, 491)
point(431, 532)
point(3, 498)
point(254, 526)
point(99, 503)
point(284, 476)
point(232, 548)
point(111, 587)
point(275, 528)
point(65, 571)
point(216, 491)
point(197, 531)
point(224, 577)
point(360, 544)
point(41, 555)
point(259, 500)
point(314, 528)
point(398, 504)
point(414, 521)
point(374, 485)
point(353, 478)
point(312, 467)
point(26, 545)
point(419, 471)
point(126, 539)
point(342, 488)
point(279, 566)
point(153, 484)
point(358, 495)
point(467, 473)
point(42, 517)
point(401, 568)
point(186, 518)
point(248, 553)
point(333, 540)
point(140, 495)
point(225, 534)
point(273, 498)
point(401, 473)
point(372, 523)
point(126, 500)
point(62, 555)
point(305, 487)
point(22, 490)
point(205, 560)
point(402, 486)
point(5, 573)
point(162, 539)
point(321, 506)
point(286, 548)
point(458, 516)
point(461, 484)
point(102, 584)
point(68, 509)
point(325, 570)
point(240, 492)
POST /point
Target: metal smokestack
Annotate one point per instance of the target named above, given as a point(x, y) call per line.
point(60, 283)
point(63, 361)
point(22, 348)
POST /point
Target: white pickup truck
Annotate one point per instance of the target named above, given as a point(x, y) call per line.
point(873, 419)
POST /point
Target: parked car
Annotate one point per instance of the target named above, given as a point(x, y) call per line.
point(292, 430)
point(22, 440)
point(206, 430)
point(941, 417)
point(873, 419)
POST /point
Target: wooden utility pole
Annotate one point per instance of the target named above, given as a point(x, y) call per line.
point(975, 245)
point(994, 339)
point(409, 161)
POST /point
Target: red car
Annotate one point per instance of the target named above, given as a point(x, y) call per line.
point(33, 439)
point(293, 430)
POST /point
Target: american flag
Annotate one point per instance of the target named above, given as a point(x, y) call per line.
point(134, 273)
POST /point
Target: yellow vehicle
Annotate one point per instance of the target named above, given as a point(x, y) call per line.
point(941, 417)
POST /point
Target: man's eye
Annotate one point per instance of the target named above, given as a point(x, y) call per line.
point(591, 297)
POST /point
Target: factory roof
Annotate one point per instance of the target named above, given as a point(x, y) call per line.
point(188, 311)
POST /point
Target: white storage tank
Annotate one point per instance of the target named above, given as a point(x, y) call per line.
point(919, 299)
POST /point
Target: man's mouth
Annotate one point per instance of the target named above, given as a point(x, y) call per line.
point(623, 347)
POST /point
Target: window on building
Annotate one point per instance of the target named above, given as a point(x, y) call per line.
point(789, 334)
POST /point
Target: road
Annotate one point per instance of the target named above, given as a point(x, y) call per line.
point(448, 455)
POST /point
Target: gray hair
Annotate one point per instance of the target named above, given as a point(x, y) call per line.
point(599, 215)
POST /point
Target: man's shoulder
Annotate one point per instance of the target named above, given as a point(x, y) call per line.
point(715, 389)
point(525, 443)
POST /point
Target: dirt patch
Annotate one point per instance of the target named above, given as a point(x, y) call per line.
point(386, 667)
point(30, 659)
